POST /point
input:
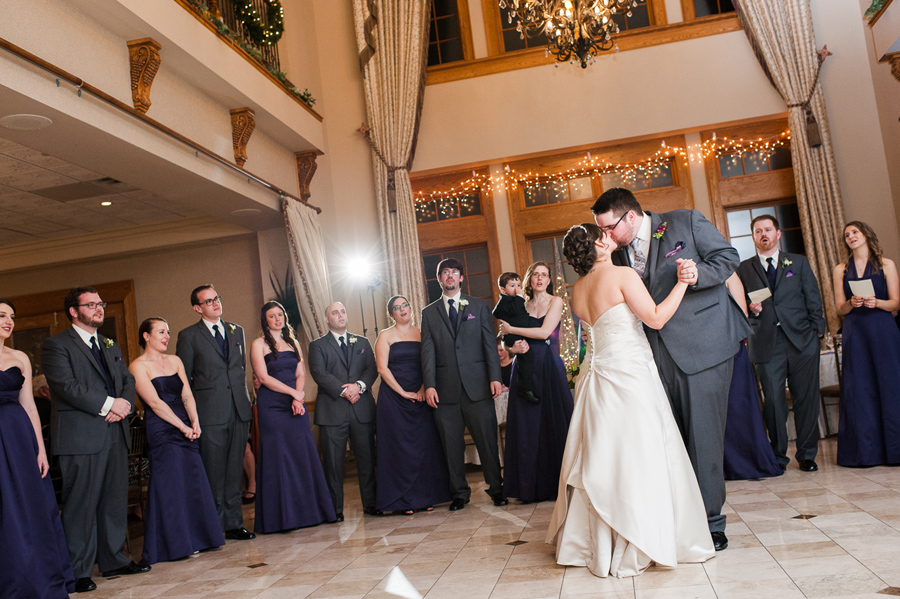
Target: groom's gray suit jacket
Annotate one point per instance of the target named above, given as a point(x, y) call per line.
point(708, 324)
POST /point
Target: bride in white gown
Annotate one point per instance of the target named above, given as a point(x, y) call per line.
point(628, 496)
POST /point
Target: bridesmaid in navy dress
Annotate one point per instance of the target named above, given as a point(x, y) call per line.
point(869, 428)
point(536, 432)
point(748, 453)
point(290, 483)
point(181, 517)
point(34, 559)
point(412, 471)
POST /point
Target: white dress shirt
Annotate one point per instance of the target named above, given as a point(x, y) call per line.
point(86, 337)
point(764, 259)
point(346, 337)
point(455, 299)
point(218, 323)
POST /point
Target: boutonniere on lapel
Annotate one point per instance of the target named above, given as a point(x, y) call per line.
point(352, 339)
point(660, 231)
point(463, 303)
point(232, 327)
point(678, 247)
point(108, 343)
point(785, 263)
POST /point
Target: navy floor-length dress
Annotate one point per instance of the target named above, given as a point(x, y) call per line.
point(748, 453)
point(34, 559)
point(869, 428)
point(412, 471)
point(536, 432)
point(290, 483)
point(181, 516)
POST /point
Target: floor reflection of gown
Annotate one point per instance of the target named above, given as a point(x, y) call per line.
point(290, 483)
point(869, 426)
point(34, 559)
point(748, 453)
point(536, 432)
point(628, 496)
point(181, 516)
point(412, 471)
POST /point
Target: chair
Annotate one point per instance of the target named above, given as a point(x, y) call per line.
point(138, 471)
point(832, 391)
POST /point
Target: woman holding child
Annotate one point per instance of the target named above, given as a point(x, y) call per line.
point(536, 423)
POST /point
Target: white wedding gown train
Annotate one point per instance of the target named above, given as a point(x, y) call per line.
point(628, 496)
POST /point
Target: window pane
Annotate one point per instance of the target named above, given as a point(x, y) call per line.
point(447, 209)
point(640, 17)
point(434, 290)
point(640, 182)
point(431, 264)
point(788, 216)
point(738, 223)
point(451, 51)
point(557, 191)
point(434, 55)
point(460, 255)
point(448, 28)
point(766, 210)
point(662, 177)
point(476, 260)
point(512, 40)
point(780, 158)
point(704, 8)
point(569, 273)
point(730, 165)
point(726, 6)
point(444, 8)
point(542, 251)
point(580, 189)
point(535, 196)
point(792, 241)
point(469, 205)
point(479, 285)
point(755, 162)
point(611, 180)
point(425, 212)
point(744, 246)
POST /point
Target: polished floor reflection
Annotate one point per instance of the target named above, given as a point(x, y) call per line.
point(835, 532)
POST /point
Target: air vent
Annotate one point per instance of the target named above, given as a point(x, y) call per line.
point(84, 190)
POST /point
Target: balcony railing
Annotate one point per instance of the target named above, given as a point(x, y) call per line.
point(225, 9)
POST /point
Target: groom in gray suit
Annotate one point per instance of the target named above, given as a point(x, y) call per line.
point(343, 366)
point(461, 370)
point(213, 354)
point(784, 344)
point(694, 351)
point(92, 393)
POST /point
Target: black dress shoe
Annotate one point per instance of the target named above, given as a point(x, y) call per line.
point(720, 541)
point(249, 498)
point(84, 585)
point(808, 466)
point(338, 517)
point(239, 534)
point(128, 569)
point(372, 511)
point(530, 396)
point(498, 499)
point(457, 504)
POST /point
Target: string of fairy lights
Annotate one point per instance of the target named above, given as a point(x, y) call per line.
point(464, 196)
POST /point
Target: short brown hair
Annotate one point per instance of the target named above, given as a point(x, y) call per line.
point(764, 217)
point(73, 298)
point(195, 299)
point(507, 277)
point(451, 263)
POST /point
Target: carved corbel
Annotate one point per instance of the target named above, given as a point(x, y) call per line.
point(243, 121)
point(895, 66)
point(145, 61)
point(306, 168)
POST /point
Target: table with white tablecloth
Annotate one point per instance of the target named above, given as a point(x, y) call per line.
point(500, 404)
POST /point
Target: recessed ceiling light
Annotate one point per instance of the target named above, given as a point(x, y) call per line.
point(25, 122)
point(245, 212)
point(106, 203)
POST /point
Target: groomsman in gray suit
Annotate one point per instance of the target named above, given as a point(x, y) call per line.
point(461, 370)
point(214, 361)
point(343, 366)
point(93, 394)
point(785, 340)
point(694, 351)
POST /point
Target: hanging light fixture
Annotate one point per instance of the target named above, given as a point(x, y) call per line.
point(576, 29)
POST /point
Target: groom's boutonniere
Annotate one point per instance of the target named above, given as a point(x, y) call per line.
point(108, 343)
point(463, 303)
point(785, 263)
point(660, 231)
point(233, 328)
point(352, 339)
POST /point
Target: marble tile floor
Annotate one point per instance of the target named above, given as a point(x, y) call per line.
point(831, 533)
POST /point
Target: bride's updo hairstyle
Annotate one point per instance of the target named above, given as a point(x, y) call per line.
point(578, 246)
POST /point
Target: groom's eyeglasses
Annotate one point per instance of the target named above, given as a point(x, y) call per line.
point(613, 228)
point(211, 301)
point(93, 305)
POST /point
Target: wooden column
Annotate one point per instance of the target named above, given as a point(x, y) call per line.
point(243, 122)
point(306, 168)
point(145, 61)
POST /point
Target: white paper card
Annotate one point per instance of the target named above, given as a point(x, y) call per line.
point(756, 297)
point(862, 288)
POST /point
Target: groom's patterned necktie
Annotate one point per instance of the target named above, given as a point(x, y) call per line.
point(640, 260)
point(770, 274)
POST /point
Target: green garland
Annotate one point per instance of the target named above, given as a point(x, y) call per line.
point(262, 34)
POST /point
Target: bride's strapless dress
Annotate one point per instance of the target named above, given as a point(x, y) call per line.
point(628, 496)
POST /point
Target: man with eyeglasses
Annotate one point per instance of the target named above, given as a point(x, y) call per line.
point(93, 395)
point(214, 361)
point(694, 351)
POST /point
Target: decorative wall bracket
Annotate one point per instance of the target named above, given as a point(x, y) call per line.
point(243, 122)
point(144, 57)
point(895, 66)
point(306, 168)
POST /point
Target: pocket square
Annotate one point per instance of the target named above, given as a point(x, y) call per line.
point(789, 273)
point(678, 247)
point(470, 317)
point(119, 358)
point(361, 350)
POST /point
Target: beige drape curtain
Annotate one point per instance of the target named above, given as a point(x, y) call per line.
point(781, 34)
point(392, 37)
point(311, 284)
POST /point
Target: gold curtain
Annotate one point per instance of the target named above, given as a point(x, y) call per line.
point(781, 34)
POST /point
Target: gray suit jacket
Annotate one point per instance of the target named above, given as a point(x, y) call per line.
point(795, 303)
point(219, 385)
point(708, 325)
point(329, 370)
point(464, 359)
point(78, 390)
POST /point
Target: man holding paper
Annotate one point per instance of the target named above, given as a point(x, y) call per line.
point(786, 318)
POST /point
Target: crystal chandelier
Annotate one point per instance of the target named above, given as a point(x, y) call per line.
point(576, 29)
